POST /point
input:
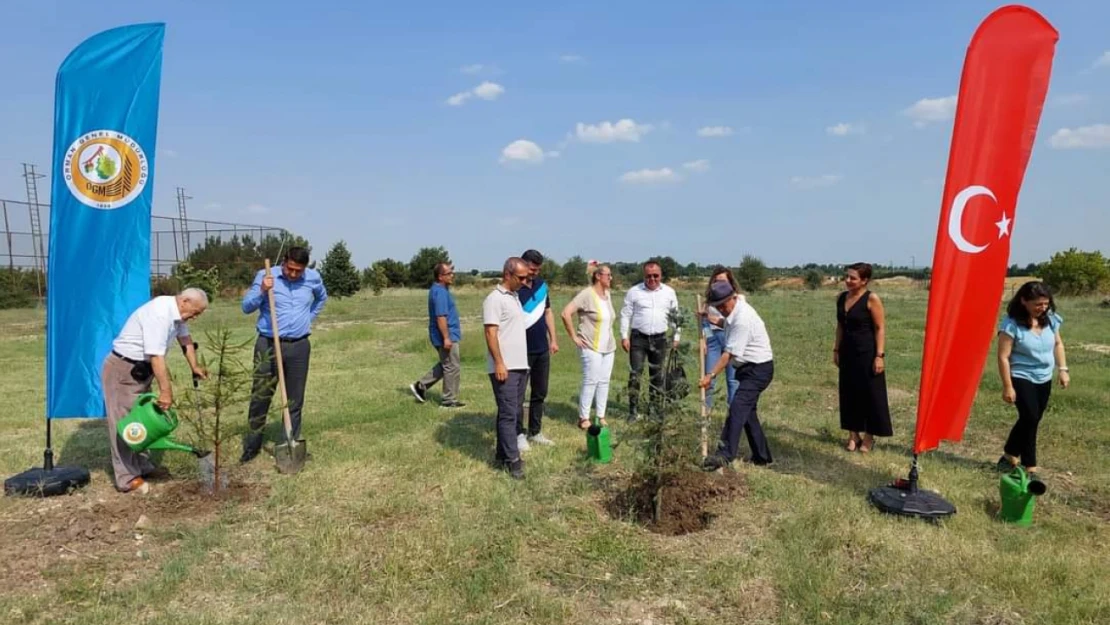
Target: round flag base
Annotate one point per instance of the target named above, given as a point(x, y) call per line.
point(46, 482)
point(903, 501)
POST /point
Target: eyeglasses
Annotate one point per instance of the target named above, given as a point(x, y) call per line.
point(520, 277)
point(655, 276)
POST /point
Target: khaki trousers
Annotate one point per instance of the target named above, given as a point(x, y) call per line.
point(120, 392)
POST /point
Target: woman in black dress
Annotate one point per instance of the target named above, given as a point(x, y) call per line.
point(860, 355)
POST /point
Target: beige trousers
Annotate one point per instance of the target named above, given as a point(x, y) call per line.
point(120, 392)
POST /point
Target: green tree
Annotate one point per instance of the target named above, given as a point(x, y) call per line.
point(751, 274)
point(573, 272)
point(423, 264)
point(341, 279)
point(550, 270)
point(396, 272)
point(374, 277)
point(1075, 272)
point(187, 276)
point(814, 279)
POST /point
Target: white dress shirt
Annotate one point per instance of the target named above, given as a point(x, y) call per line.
point(150, 329)
point(646, 311)
point(746, 338)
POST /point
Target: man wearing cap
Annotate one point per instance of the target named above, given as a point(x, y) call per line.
point(539, 324)
point(138, 357)
point(748, 347)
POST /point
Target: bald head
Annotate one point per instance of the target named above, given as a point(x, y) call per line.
point(192, 302)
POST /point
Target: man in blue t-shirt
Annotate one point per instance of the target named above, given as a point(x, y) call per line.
point(445, 332)
point(540, 330)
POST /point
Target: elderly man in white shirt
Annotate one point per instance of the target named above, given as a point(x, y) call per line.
point(138, 358)
point(644, 323)
point(748, 347)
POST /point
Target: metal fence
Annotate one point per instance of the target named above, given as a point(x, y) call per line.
point(171, 238)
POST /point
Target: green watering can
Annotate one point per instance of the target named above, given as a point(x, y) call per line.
point(149, 427)
point(598, 444)
point(1018, 492)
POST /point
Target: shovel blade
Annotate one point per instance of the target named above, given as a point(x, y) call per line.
point(290, 456)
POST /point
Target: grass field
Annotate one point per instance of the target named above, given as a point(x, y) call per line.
point(399, 517)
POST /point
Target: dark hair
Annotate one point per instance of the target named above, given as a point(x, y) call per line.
point(863, 269)
point(441, 269)
point(532, 256)
point(1030, 291)
point(297, 254)
point(649, 263)
point(716, 271)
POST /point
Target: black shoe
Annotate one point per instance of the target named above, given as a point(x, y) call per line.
point(418, 391)
point(713, 462)
point(516, 468)
point(759, 462)
point(452, 404)
point(252, 445)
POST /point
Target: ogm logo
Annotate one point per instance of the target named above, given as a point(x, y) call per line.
point(134, 434)
point(105, 169)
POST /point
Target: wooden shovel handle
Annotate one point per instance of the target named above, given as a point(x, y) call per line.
point(701, 366)
point(285, 416)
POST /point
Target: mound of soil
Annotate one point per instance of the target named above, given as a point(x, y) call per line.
point(96, 525)
point(687, 501)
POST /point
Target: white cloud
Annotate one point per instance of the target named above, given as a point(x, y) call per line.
point(522, 151)
point(607, 132)
point(489, 90)
point(715, 131)
point(571, 58)
point(928, 110)
point(650, 176)
point(257, 209)
point(1090, 137)
point(700, 165)
point(843, 129)
point(813, 182)
point(472, 69)
point(1103, 61)
point(459, 98)
point(486, 91)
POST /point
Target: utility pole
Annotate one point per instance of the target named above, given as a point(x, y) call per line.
point(182, 213)
point(38, 252)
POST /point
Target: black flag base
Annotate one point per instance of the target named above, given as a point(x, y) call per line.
point(47, 481)
point(904, 498)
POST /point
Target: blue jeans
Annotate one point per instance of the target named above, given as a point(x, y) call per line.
point(714, 347)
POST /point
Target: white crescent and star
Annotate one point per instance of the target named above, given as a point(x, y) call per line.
point(955, 219)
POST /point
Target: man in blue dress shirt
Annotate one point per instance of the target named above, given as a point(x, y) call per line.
point(299, 296)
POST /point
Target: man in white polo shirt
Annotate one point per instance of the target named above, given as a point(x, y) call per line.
point(507, 359)
point(138, 357)
point(748, 346)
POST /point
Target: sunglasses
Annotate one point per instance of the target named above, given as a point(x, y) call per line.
point(655, 276)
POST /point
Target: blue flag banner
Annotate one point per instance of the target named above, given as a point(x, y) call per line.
point(105, 126)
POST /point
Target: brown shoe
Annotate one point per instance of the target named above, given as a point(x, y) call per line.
point(136, 485)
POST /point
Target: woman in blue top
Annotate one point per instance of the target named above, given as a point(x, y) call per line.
point(714, 335)
point(1029, 347)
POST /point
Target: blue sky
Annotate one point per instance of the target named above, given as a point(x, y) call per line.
point(335, 119)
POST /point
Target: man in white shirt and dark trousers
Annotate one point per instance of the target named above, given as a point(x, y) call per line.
point(748, 346)
point(138, 357)
point(507, 359)
point(644, 326)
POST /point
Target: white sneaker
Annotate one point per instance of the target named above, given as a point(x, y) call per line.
point(522, 443)
point(540, 439)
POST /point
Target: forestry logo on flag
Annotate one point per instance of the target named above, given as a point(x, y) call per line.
point(105, 169)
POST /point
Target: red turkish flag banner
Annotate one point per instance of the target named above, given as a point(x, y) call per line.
point(1002, 92)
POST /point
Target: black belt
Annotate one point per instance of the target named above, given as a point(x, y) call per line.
point(131, 361)
point(285, 339)
point(650, 336)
